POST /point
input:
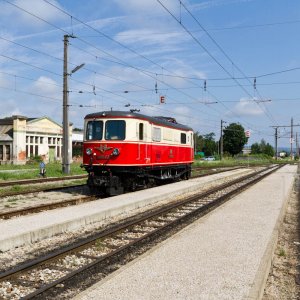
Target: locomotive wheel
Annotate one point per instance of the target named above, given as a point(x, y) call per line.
point(130, 184)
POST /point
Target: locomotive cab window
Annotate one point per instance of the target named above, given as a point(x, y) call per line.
point(115, 130)
point(94, 130)
point(183, 138)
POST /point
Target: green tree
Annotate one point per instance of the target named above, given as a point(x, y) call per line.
point(262, 148)
point(206, 143)
point(255, 148)
point(234, 138)
point(199, 142)
point(269, 150)
point(210, 146)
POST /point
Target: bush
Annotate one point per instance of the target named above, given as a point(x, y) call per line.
point(34, 159)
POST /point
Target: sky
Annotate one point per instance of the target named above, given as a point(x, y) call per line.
point(231, 60)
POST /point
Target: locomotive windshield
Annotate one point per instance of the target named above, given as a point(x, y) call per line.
point(115, 130)
point(94, 130)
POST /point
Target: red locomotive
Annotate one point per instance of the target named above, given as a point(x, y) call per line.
point(124, 150)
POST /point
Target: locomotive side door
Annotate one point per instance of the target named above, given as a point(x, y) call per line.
point(142, 148)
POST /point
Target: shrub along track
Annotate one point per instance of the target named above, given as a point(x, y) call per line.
point(48, 276)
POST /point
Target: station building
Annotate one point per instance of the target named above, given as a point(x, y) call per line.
point(22, 138)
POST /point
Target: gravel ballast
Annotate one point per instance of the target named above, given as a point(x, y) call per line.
point(225, 255)
point(33, 228)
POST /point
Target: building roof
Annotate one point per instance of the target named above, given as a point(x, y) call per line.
point(10, 120)
point(5, 138)
point(32, 120)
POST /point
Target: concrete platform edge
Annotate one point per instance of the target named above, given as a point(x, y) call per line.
point(259, 283)
point(53, 229)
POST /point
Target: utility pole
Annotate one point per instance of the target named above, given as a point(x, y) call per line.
point(276, 147)
point(66, 136)
point(221, 141)
point(291, 137)
point(66, 128)
point(297, 145)
point(292, 156)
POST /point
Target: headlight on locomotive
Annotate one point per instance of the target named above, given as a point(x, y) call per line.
point(116, 152)
point(88, 151)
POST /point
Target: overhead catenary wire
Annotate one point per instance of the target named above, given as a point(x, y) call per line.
point(142, 71)
point(127, 65)
point(268, 114)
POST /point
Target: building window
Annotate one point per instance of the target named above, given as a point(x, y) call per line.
point(49, 141)
point(27, 139)
point(41, 140)
point(54, 141)
point(183, 138)
point(36, 140)
point(7, 152)
point(27, 151)
point(36, 150)
point(31, 150)
point(31, 140)
point(57, 152)
point(1, 152)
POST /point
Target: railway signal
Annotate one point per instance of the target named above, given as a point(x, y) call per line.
point(247, 133)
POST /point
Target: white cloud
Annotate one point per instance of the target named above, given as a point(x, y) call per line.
point(215, 3)
point(150, 37)
point(18, 12)
point(10, 108)
point(246, 107)
point(146, 6)
point(47, 86)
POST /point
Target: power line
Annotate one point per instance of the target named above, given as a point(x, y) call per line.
point(238, 78)
point(140, 70)
point(208, 52)
point(106, 53)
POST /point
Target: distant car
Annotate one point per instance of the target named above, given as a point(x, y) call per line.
point(209, 158)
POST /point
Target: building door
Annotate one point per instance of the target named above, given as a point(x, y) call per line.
point(51, 154)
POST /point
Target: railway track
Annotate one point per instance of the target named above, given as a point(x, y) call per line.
point(40, 180)
point(36, 188)
point(48, 206)
point(46, 277)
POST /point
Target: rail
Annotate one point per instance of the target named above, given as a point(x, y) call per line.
point(119, 239)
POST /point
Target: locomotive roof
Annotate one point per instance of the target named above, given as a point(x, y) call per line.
point(164, 121)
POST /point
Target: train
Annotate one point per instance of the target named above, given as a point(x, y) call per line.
point(124, 151)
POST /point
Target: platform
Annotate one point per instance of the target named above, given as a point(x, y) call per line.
point(224, 255)
point(32, 228)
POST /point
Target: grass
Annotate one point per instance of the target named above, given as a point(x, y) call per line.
point(13, 200)
point(6, 191)
point(238, 161)
point(16, 188)
point(99, 245)
point(31, 171)
point(282, 253)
